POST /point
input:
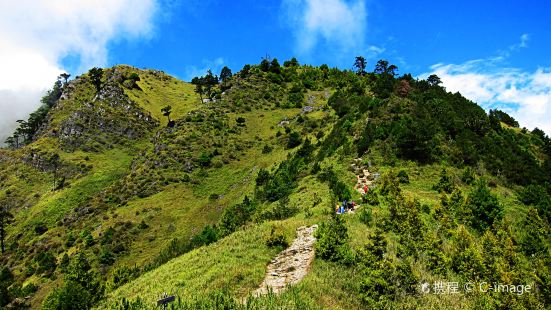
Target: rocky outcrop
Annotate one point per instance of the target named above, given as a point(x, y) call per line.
point(110, 117)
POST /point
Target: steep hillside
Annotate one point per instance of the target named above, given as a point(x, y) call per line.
point(130, 183)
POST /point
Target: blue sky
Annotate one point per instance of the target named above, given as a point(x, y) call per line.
point(495, 53)
point(199, 34)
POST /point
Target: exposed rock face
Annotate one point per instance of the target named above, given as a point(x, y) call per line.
point(292, 264)
point(110, 117)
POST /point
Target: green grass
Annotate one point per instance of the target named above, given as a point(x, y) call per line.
point(160, 90)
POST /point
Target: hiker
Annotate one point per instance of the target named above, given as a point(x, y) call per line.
point(337, 207)
point(365, 189)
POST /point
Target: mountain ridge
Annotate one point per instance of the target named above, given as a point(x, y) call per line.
point(133, 171)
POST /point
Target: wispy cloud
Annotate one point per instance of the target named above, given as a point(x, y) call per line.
point(215, 65)
point(38, 34)
point(525, 95)
point(337, 24)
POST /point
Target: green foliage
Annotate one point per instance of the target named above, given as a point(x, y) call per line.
point(87, 238)
point(81, 288)
point(95, 74)
point(536, 234)
point(445, 183)
point(503, 117)
point(332, 240)
point(208, 235)
point(360, 64)
point(122, 275)
point(294, 140)
point(204, 159)
point(276, 238)
point(106, 257)
point(235, 216)
point(45, 263)
point(484, 206)
point(366, 215)
point(403, 177)
point(6, 280)
point(468, 176)
point(69, 296)
point(340, 189)
point(281, 211)
point(371, 198)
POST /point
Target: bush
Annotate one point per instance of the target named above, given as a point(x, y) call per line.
point(294, 140)
point(235, 216)
point(403, 177)
point(484, 206)
point(106, 257)
point(208, 235)
point(262, 177)
point(282, 210)
point(366, 215)
point(69, 296)
point(445, 183)
point(204, 159)
point(468, 176)
point(122, 275)
point(45, 263)
point(276, 238)
point(533, 194)
point(332, 240)
point(266, 149)
point(371, 198)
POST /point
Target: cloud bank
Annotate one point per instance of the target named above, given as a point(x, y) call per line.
point(38, 34)
point(525, 95)
point(339, 25)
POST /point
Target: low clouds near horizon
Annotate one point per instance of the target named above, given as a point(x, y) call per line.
point(38, 34)
point(524, 95)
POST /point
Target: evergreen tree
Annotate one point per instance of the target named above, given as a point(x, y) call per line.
point(225, 75)
point(95, 75)
point(360, 64)
point(6, 218)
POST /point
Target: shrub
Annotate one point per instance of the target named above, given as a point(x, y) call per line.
point(468, 176)
point(332, 240)
point(208, 235)
point(281, 211)
point(266, 149)
point(294, 140)
point(445, 183)
point(122, 275)
point(371, 198)
point(45, 263)
point(70, 240)
point(366, 215)
point(204, 159)
point(235, 216)
point(403, 177)
point(69, 296)
point(106, 257)
point(262, 177)
point(143, 225)
point(533, 194)
point(484, 206)
point(276, 238)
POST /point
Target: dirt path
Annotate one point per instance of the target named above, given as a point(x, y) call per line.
point(290, 265)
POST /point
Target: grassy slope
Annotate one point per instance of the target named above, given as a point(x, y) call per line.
point(328, 285)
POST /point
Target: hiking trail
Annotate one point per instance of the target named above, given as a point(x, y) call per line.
point(290, 265)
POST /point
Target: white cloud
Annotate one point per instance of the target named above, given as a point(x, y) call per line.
point(338, 23)
point(38, 34)
point(525, 95)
